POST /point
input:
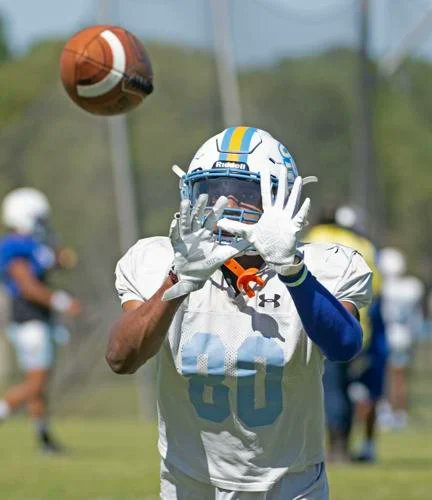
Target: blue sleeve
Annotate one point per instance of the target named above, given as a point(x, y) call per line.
point(12, 248)
point(326, 321)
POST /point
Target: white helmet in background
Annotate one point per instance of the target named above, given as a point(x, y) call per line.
point(24, 208)
point(391, 262)
point(346, 216)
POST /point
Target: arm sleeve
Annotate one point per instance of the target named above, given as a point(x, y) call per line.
point(326, 321)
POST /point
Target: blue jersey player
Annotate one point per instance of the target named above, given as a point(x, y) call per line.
point(26, 257)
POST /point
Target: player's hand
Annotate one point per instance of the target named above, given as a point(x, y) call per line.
point(67, 258)
point(197, 255)
point(275, 234)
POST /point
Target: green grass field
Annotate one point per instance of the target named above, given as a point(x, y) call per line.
point(117, 460)
point(114, 456)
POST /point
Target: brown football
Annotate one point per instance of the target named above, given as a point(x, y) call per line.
point(106, 70)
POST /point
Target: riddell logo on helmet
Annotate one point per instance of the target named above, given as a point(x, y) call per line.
point(239, 165)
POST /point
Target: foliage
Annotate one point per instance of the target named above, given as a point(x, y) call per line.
point(5, 52)
point(24, 79)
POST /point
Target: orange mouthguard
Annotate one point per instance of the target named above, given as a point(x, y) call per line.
point(244, 277)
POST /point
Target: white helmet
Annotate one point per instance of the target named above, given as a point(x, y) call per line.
point(230, 163)
point(346, 216)
point(391, 262)
point(24, 208)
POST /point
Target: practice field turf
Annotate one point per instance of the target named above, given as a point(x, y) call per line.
point(118, 460)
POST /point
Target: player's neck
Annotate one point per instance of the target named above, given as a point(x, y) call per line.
point(248, 261)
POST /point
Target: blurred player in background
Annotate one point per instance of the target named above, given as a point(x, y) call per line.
point(362, 380)
point(367, 375)
point(27, 253)
point(240, 370)
point(402, 311)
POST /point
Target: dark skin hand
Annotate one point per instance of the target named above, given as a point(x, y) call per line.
point(66, 258)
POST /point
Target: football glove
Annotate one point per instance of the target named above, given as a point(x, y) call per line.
point(197, 255)
point(275, 234)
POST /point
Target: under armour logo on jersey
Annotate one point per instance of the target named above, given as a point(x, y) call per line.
point(274, 300)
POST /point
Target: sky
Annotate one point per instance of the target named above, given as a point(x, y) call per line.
point(263, 30)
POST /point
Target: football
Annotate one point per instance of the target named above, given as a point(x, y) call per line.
point(106, 70)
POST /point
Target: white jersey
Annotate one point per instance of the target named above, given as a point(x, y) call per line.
point(240, 396)
point(402, 311)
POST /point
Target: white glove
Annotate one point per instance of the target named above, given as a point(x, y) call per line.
point(275, 234)
point(197, 255)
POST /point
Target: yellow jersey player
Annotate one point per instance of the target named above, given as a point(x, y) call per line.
point(361, 381)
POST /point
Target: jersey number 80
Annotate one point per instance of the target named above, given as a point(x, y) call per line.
point(211, 346)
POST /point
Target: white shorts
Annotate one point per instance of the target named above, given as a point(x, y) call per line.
point(310, 484)
point(400, 341)
point(34, 344)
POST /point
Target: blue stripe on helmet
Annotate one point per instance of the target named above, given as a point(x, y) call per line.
point(245, 145)
point(225, 143)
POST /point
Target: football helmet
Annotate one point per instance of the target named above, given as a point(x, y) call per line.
point(346, 216)
point(391, 262)
point(229, 164)
point(25, 210)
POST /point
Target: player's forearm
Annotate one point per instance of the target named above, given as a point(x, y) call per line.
point(326, 321)
point(138, 334)
point(55, 300)
point(37, 293)
point(31, 288)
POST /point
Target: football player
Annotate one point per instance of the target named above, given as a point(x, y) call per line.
point(362, 380)
point(240, 351)
point(27, 254)
point(403, 316)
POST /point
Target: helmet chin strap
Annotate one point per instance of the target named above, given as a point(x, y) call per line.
point(244, 277)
